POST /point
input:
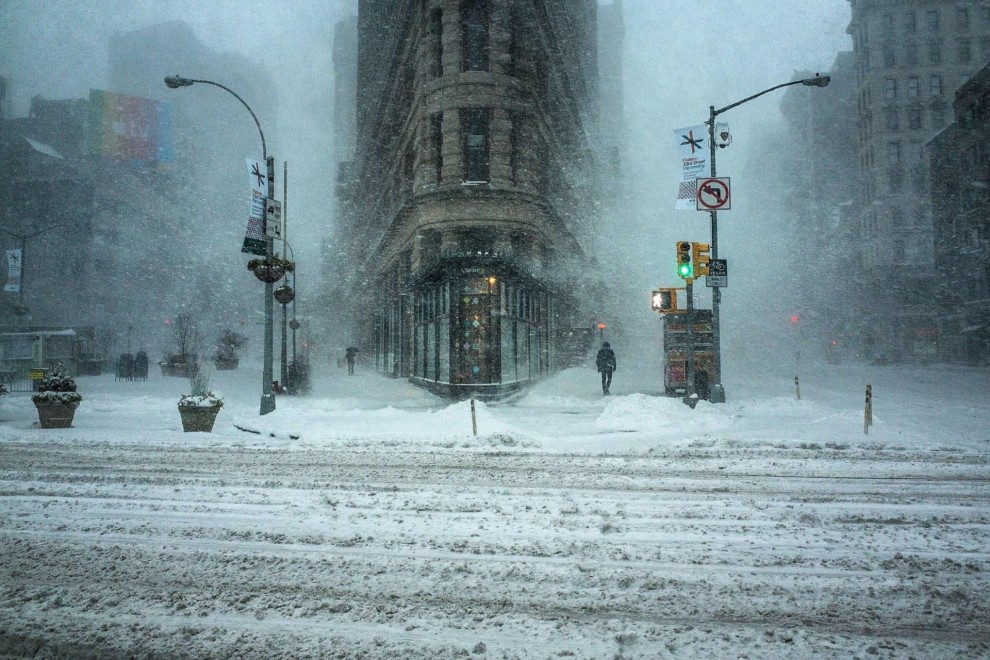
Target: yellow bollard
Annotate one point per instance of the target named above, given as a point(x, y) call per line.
point(797, 388)
point(474, 419)
point(868, 410)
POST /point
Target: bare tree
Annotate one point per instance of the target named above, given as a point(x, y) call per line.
point(186, 335)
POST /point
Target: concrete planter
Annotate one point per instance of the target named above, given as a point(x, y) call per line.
point(198, 418)
point(56, 415)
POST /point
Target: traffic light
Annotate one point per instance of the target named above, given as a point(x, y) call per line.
point(700, 258)
point(664, 301)
point(684, 268)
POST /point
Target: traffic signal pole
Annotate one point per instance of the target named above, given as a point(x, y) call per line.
point(717, 394)
point(689, 387)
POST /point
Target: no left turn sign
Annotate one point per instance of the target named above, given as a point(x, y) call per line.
point(713, 194)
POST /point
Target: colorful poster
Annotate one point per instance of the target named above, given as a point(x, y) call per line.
point(129, 128)
point(13, 271)
point(254, 239)
point(692, 145)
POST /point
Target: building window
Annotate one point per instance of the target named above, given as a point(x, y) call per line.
point(893, 153)
point(436, 128)
point(474, 127)
point(936, 86)
point(890, 88)
point(934, 53)
point(515, 155)
point(889, 59)
point(962, 18)
point(436, 26)
point(910, 22)
point(911, 54)
point(914, 117)
point(474, 23)
point(893, 120)
point(912, 89)
point(514, 41)
point(888, 24)
point(931, 18)
point(965, 51)
point(899, 251)
point(985, 17)
point(938, 115)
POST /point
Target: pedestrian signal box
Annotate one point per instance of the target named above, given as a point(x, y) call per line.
point(664, 301)
point(684, 268)
point(700, 258)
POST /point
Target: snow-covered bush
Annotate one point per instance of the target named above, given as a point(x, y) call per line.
point(228, 344)
point(201, 396)
point(57, 387)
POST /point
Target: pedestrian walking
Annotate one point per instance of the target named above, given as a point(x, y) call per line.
point(605, 361)
point(350, 354)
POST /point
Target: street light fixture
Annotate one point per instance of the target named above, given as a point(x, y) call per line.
point(717, 391)
point(267, 397)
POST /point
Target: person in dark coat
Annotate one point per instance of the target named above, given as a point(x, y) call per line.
point(605, 361)
point(350, 354)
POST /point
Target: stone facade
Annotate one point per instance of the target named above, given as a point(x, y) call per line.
point(960, 171)
point(911, 56)
point(473, 184)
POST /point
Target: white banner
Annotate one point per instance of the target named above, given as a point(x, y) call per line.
point(692, 145)
point(13, 271)
point(254, 239)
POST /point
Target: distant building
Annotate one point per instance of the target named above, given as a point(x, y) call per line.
point(817, 184)
point(136, 214)
point(911, 56)
point(46, 212)
point(960, 171)
point(474, 189)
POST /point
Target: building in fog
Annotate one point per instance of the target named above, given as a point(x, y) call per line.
point(818, 180)
point(960, 172)
point(46, 211)
point(474, 189)
point(139, 184)
point(911, 56)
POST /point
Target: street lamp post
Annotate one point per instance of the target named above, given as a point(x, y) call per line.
point(717, 393)
point(284, 295)
point(267, 397)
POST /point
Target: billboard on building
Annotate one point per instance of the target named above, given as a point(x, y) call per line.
point(129, 127)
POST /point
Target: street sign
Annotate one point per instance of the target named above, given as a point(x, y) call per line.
point(718, 273)
point(712, 194)
point(273, 218)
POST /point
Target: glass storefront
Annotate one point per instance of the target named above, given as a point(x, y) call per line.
point(479, 331)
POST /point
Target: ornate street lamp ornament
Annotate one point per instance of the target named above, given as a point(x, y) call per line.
point(271, 269)
point(284, 294)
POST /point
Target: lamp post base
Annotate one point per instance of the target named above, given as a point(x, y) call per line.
point(717, 393)
point(267, 403)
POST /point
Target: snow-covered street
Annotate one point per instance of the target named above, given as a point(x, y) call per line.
point(367, 521)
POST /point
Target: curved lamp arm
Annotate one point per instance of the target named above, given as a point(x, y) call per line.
point(174, 82)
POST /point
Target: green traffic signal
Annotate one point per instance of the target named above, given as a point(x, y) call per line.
point(685, 269)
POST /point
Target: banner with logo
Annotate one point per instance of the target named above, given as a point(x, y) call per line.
point(13, 271)
point(692, 145)
point(129, 128)
point(254, 239)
